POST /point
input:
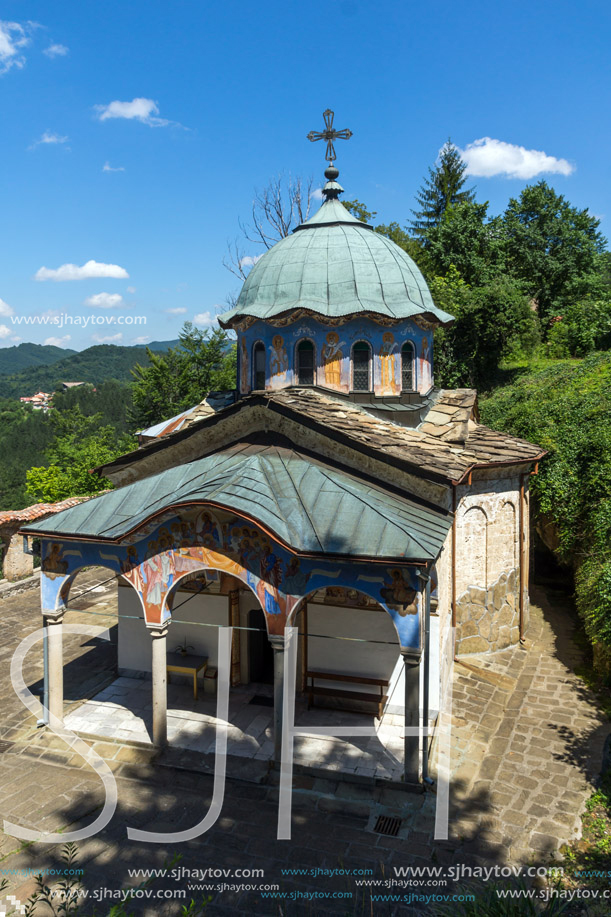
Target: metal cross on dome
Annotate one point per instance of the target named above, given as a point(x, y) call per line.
point(329, 134)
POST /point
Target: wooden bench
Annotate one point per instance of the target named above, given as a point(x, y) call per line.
point(343, 694)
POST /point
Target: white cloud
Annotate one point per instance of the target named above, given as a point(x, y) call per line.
point(108, 168)
point(109, 339)
point(55, 51)
point(105, 301)
point(5, 309)
point(142, 340)
point(179, 310)
point(144, 110)
point(91, 269)
point(249, 260)
point(5, 331)
point(204, 318)
point(316, 194)
point(58, 342)
point(49, 137)
point(487, 157)
point(13, 37)
point(131, 289)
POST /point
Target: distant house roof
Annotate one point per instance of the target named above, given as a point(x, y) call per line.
point(72, 384)
point(213, 402)
point(38, 510)
point(311, 506)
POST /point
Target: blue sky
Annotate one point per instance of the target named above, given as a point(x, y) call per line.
point(191, 105)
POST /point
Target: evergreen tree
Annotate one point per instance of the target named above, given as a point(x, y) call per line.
point(443, 188)
point(204, 361)
point(555, 248)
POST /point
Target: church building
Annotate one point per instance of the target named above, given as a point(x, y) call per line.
point(337, 490)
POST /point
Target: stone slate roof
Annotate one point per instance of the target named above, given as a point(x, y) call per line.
point(443, 450)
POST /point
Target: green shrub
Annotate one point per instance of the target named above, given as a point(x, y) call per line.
point(566, 408)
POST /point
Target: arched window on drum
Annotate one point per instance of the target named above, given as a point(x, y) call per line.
point(361, 367)
point(305, 363)
point(408, 367)
point(258, 364)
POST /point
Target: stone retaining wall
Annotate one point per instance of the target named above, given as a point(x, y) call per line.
point(488, 619)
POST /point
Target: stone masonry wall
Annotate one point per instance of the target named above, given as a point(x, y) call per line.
point(487, 564)
point(488, 619)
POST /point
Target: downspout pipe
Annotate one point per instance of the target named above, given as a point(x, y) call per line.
point(44, 720)
point(522, 553)
point(425, 578)
point(454, 486)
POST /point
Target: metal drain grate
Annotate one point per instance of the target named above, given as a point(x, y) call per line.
point(262, 700)
point(387, 824)
point(5, 746)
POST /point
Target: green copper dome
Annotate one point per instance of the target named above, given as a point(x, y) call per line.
point(334, 265)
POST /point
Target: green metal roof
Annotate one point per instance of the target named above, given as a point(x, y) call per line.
point(310, 506)
point(335, 265)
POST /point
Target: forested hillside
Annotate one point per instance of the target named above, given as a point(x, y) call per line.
point(23, 356)
point(95, 364)
point(46, 457)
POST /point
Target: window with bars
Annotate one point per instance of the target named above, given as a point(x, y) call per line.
point(259, 366)
point(361, 367)
point(305, 363)
point(407, 368)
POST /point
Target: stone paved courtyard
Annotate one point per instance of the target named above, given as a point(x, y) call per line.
point(527, 743)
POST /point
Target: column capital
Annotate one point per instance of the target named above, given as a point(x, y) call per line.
point(277, 642)
point(54, 617)
point(411, 657)
point(158, 630)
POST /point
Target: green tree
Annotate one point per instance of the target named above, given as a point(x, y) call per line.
point(444, 187)
point(551, 246)
point(204, 361)
point(360, 211)
point(490, 321)
point(467, 240)
point(79, 445)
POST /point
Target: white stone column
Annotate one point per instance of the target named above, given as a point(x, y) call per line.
point(277, 643)
point(55, 664)
point(160, 679)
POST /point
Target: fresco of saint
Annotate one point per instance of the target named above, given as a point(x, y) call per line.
point(425, 367)
point(54, 561)
point(279, 362)
point(398, 592)
point(243, 366)
point(387, 360)
point(332, 359)
point(151, 576)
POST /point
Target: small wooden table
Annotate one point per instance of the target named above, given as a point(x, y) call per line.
point(185, 664)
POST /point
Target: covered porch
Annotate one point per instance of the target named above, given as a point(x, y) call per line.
point(275, 532)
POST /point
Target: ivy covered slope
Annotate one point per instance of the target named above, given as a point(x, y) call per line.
point(567, 409)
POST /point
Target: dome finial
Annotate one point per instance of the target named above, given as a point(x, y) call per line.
point(330, 134)
point(332, 189)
